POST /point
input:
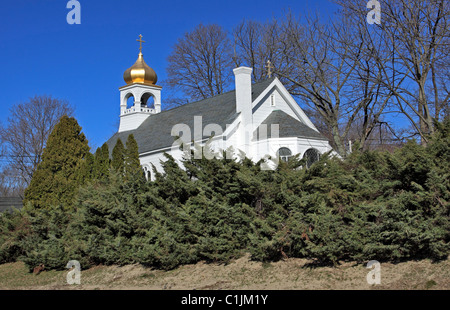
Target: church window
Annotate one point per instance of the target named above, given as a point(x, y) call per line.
point(147, 173)
point(272, 100)
point(311, 155)
point(284, 153)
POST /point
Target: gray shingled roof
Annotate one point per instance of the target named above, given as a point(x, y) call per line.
point(289, 127)
point(155, 132)
point(8, 203)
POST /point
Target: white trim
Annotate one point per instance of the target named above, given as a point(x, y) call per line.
point(289, 100)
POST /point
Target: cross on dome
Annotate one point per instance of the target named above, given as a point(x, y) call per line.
point(140, 72)
point(140, 43)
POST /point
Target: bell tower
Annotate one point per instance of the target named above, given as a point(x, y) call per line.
point(141, 85)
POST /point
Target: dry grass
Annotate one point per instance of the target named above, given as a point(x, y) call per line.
point(242, 274)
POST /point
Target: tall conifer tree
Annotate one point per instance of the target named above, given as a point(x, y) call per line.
point(118, 156)
point(57, 177)
point(133, 169)
point(101, 163)
point(87, 170)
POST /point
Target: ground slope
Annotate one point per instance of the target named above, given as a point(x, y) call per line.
point(242, 274)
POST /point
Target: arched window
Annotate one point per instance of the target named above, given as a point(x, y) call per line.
point(147, 173)
point(130, 100)
point(284, 153)
point(147, 100)
point(311, 155)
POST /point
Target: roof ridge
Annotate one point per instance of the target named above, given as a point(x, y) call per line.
point(223, 94)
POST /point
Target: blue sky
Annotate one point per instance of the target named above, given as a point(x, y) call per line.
point(41, 54)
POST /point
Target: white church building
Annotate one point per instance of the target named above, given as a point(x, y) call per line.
point(259, 120)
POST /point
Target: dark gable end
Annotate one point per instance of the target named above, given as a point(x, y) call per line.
point(155, 132)
point(289, 127)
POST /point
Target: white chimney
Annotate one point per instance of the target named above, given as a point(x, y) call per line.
point(243, 82)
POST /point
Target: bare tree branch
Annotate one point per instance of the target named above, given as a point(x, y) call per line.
point(24, 137)
point(200, 65)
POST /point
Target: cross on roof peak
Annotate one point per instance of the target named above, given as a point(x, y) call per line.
point(269, 67)
point(140, 43)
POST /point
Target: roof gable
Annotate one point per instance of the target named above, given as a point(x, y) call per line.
point(290, 101)
point(288, 127)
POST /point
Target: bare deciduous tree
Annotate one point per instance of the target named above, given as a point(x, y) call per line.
point(347, 72)
point(255, 43)
point(418, 32)
point(333, 71)
point(11, 184)
point(25, 134)
point(200, 64)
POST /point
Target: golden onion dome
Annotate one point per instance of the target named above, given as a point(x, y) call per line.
point(140, 72)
